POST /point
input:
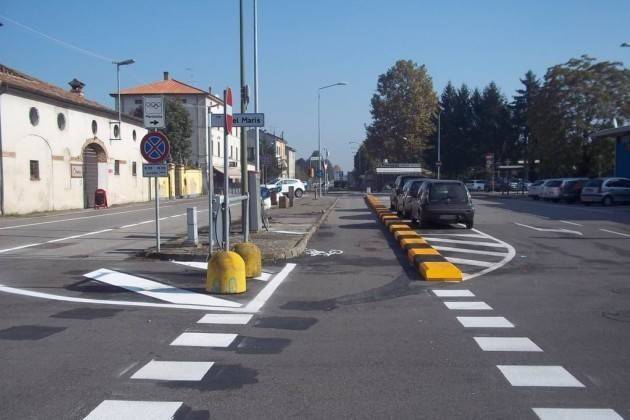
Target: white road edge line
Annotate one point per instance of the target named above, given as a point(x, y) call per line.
point(2, 251)
point(570, 223)
point(470, 251)
point(616, 233)
point(476, 263)
point(135, 410)
point(510, 255)
point(267, 291)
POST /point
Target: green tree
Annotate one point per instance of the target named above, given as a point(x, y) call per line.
point(402, 114)
point(522, 116)
point(179, 130)
point(577, 99)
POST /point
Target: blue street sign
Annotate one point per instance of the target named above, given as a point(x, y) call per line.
point(320, 173)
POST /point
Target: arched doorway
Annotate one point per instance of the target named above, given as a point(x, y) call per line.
point(93, 153)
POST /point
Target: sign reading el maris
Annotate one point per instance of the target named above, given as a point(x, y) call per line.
point(240, 120)
point(150, 170)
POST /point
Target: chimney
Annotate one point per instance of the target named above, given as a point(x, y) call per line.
point(166, 76)
point(76, 86)
point(210, 90)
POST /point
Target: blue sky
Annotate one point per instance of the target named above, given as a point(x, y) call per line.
point(307, 44)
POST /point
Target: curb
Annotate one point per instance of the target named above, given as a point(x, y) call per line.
point(431, 265)
point(300, 247)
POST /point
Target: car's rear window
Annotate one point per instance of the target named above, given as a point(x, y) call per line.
point(537, 183)
point(447, 193)
point(594, 183)
point(554, 183)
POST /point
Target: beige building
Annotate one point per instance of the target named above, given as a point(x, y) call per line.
point(57, 147)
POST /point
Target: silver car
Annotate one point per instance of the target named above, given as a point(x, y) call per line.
point(410, 193)
point(535, 190)
point(607, 191)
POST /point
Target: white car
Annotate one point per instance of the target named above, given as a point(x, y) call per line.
point(476, 185)
point(282, 186)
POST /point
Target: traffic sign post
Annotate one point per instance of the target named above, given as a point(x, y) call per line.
point(153, 112)
point(227, 129)
point(155, 149)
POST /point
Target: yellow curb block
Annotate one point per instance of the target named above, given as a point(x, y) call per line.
point(388, 222)
point(411, 253)
point(440, 271)
point(384, 217)
point(398, 227)
point(403, 234)
point(407, 243)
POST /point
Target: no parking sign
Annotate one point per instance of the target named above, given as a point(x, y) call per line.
point(155, 148)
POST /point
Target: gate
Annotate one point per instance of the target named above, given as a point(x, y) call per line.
point(90, 176)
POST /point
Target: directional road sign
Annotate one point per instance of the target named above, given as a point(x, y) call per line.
point(240, 120)
point(154, 112)
point(150, 170)
point(155, 148)
point(228, 110)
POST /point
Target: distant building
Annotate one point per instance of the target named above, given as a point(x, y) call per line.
point(57, 148)
point(283, 155)
point(197, 102)
point(622, 148)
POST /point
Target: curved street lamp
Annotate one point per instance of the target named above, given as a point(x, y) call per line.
point(118, 64)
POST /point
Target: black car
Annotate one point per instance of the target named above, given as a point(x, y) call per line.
point(443, 201)
point(397, 190)
point(571, 190)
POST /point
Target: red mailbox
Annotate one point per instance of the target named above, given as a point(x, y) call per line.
point(100, 198)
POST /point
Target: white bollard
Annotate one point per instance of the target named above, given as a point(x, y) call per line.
point(191, 220)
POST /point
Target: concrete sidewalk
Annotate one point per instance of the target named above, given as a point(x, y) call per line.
point(290, 230)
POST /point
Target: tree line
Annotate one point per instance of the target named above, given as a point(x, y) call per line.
point(546, 126)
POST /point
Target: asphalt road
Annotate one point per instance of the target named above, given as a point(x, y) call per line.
point(349, 331)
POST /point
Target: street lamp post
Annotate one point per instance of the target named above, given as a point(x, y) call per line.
point(439, 139)
point(319, 133)
point(118, 64)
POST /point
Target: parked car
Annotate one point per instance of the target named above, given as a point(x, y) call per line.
point(397, 189)
point(476, 185)
point(282, 186)
point(535, 189)
point(443, 201)
point(571, 189)
point(607, 191)
point(551, 190)
point(410, 193)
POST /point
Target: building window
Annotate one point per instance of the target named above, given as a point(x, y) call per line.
point(138, 101)
point(236, 157)
point(34, 169)
point(33, 115)
point(116, 131)
point(116, 167)
point(61, 121)
point(134, 135)
point(94, 127)
point(134, 170)
point(231, 152)
point(183, 101)
point(219, 148)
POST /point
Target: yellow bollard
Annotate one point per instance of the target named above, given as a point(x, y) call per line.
point(226, 273)
point(252, 256)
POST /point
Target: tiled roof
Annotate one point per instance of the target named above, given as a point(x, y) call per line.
point(171, 86)
point(19, 80)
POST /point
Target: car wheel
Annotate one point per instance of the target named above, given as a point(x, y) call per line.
point(419, 222)
point(607, 201)
point(469, 225)
point(298, 193)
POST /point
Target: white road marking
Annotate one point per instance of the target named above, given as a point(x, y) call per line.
point(506, 344)
point(196, 339)
point(616, 233)
point(463, 235)
point(157, 290)
point(576, 414)
point(173, 371)
point(135, 410)
point(2, 251)
point(457, 241)
point(547, 376)
point(267, 291)
point(575, 232)
point(570, 223)
point(484, 322)
point(457, 306)
point(128, 226)
point(507, 259)
point(452, 293)
point(201, 265)
point(470, 251)
point(476, 263)
point(232, 319)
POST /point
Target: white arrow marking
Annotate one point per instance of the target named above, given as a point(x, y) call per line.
point(157, 290)
point(551, 230)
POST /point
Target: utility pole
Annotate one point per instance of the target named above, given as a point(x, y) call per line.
point(244, 189)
